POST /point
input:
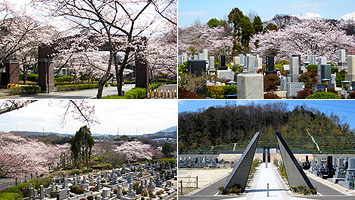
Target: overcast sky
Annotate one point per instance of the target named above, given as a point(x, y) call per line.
point(190, 10)
point(130, 116)
point(345, 109)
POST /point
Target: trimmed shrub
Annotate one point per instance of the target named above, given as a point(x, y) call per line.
point(309, 78)
point(270, 95)
point(312, 67)
point(215, 92)
point(79, 190)
point(90, 197)
point(85, 171)
point(63, 79)
point(14, 190)
point(302, 94)
point(154, 86)
point(135, 93)
point(93, 189)
point(340, 77)
point(124, 192)
point(54, 194)
point(10, 196)
point(229, 89)
point(102, 166)
point(73, 188)
point(75, 171)
point(270, 82)
point(32, 77)
point(32, 89)
point(323, 95)
point(351, 95)
point(185, 94)
point(283, 62)
point(73, 87)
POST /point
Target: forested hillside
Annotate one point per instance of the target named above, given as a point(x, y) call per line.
point(218, 128)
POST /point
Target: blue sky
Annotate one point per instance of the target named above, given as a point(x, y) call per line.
point(190, 10)
point(345, 109)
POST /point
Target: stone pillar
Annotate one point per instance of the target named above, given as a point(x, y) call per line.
point(211, 63)
point(46, 75)
point(142, 75)
point(12, 73)
point(236, 60)
point(250, 86)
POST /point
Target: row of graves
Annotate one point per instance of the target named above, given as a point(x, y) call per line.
point(200, 161)
point(250, 83)
point(338, 169)
point(149, 181)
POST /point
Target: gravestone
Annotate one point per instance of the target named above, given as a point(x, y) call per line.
point(312, 60)
point(299, 62)
point(180, 60)
point(294, 69)
point(211, 63)
point(198, 68)
point(236, 60)
point(293, 88)
point(225, 74)
point(184, 57)
point(195, 57)
point(283, 83)
point(270, 65)
point(240, 172)
point(250, 86)
point(205, 54)
point(342, 55)
point(295, 174)
point(350, 76)
point(241, 59)
point(222, 60)
point(251, 64)
point(200, 56)
point(326, 73)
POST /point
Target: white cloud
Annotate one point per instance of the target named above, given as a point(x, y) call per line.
point(307, 5)
point(309, 15)
point(348, 16)
point(193, 13)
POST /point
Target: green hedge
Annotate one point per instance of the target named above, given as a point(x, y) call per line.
point(63, 79)
point(102, 166)
point(154, 86)
point(10, 196)
point(32, 89)
point(323, 95)
point(30, 77)
point(23, 189)
point(76, 87)
point(135, 93)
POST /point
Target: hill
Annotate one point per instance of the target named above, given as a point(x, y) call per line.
point(219, 128)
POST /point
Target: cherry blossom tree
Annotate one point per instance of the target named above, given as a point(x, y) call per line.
point(118, 24)
point(194, 39)
point(20, 35)
point(308, 37)
point(135, 151)
point(20, 156)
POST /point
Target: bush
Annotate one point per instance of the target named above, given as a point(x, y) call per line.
point(323, 95)
point(312, 67)
point(135, 93)
point(54, 194)
point(270, 95)
point(63, 79)
point(334, 69)
point(340, 77)
point(270, 82)
point(10, 196)
point(279, 66)
point(215, 92)
point(283, 62)
point(14, 190)
point(229, 89)
point(75, 171)
point(309, 78)
point(90, 197)
point(102, 166)
point(351, 95)
point(32, 89)
point(103, 181)
point(302, 94)
point(73, 87)
point(185, 94)
point(32, 77)
point(124, 192)
point(303, 190)
point(154, 86)
point(93, 189)
point(73, 188)
point(85, 171)
point(160, 192)
point(79, 190)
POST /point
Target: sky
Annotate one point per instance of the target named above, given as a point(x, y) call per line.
point(129, 116)
point(345, 109)
point(204, 10)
